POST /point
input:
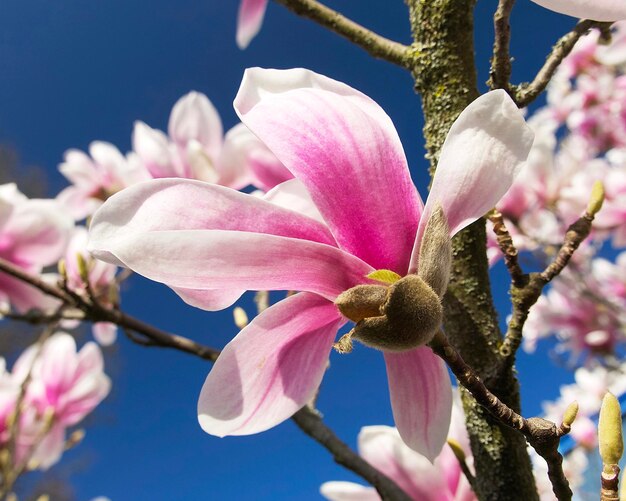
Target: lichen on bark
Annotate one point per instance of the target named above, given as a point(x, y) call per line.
point(442, 63)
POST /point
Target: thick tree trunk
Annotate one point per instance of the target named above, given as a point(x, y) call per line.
point(445, 77)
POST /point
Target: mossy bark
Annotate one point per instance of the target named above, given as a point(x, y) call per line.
point(442, 62)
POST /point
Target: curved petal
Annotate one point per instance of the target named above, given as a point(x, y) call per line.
point(245, 160)
point(184, 204)
point(344, 148)
point(249, 20)
point(38, 232)
point(382, 447)
point(194, 118)
point(598, 10)
point(421, 399)
point(348, 491)
point(207, 299)
point(271, 368)
point(216, 259)
point(483, 152)
point(105, 333)
point(292, 195)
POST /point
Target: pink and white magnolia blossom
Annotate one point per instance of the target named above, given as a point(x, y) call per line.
point(195, 148)
point(34, 233)
point(65, 386)
point(97, 176)
point(101, 280)
point(598, 10)
point(249, 20)
point(210, 243)
point(415, 474)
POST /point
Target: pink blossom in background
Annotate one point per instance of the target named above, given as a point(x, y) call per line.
point(97, 176)
point(195, 148)
point(249, 20)
point(33, 234)
point(102, 282)
point(586, 315)
point(65, 386)
point(598, 10)
point(210, 243)
point(421, 479)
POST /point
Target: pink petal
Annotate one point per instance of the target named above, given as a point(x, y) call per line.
point(421, 399)
point(271, 368)
point(24, 297)
point(50, 449)
point(245, 160)
point(344, 148)
point(207, 299)
point(39, 231)
point(181, 204)
point(153, 148)
point(483, 152)
point(382, 447)
point(104, 332)
point(293, 195)
point(194, 118)
point(249, 20)
point(598, 10)
point(348, 491)
point(217, 259)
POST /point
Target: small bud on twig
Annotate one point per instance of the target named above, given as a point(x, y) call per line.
point(597, 198)
point(610, 430)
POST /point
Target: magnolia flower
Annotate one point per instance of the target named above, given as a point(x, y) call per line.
point(421, 479)
point(195, 148)
point(249, 20)
point(101, 279)
point(65, 386)
point(33, 234)
point(210, 243)
point(96, 176)
point(598, 10)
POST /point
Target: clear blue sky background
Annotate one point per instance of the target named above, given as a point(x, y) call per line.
point(75, 71)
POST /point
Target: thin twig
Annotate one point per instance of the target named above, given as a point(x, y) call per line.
point(523, 298)
point(541, 434)
point(307, 419)
point(376, 45)
point(509, 251)
point(500, 72)
point(527, 93)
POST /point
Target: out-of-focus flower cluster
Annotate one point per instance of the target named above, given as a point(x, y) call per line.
point(51, 388)
point(194, 148)
point(580, 139)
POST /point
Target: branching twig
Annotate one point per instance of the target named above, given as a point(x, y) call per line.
point(541, 434)
point(509, 251)
point(307, 419)
point(376, 45)
point(527, 93)
point(524, 297)
point(500, 72)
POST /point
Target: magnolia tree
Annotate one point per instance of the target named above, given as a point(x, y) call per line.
point(311, 194)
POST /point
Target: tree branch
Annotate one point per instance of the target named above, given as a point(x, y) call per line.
point(500, 72)
point(524, 94)
point(307, 419)
point(541, 434)
point(376, 45)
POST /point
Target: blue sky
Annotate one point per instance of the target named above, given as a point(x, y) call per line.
point(76, 71)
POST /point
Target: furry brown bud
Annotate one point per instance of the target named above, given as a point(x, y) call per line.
point(410, 317)
point(362, 301)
